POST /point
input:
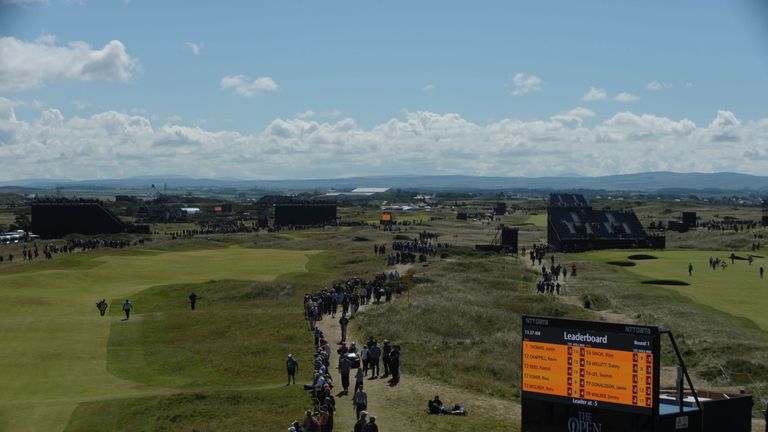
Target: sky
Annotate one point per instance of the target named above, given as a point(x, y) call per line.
point(324, 89)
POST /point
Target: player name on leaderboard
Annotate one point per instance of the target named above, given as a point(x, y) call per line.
point(588, 373)
point(589, 367)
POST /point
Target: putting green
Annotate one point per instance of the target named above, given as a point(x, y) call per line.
point(539, 220)
point(54, 342)
point(737, 290)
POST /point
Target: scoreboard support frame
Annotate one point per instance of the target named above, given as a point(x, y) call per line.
point(681, 363)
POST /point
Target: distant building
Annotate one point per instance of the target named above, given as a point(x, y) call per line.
point(357, 193)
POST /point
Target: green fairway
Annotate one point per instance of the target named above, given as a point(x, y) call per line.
point(539, 220)
point(737, 290)
point(55, 343)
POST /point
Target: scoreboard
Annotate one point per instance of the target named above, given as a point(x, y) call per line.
point(589, 367)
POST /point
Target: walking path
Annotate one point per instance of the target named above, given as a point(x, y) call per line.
point(377, 389)
point(396, 407)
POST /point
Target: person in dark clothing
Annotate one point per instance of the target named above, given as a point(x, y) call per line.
point(435, 406)
point(385, 357)
point(102, 306)
point(292, 366)
point(345, 366)
point(394, 365)
point(371, 426)
point(192, 300)
point(360, 401)
point(362, 421)
point(690, 269)
point(374, 355)
point(343, 322)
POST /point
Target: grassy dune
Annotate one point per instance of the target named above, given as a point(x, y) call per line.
point(460, 325)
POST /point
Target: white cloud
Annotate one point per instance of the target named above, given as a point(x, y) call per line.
point(577, 115)
point(594, 94)
point(428, 87)
point(626, 97)
point(525, 84)
point(244, 86)
point(27, 65)
point(23, 2)
point(173, 118)
point(305, 114)
point(657, 86)
point(725, 127)
point(80, 105)
point(194, 47)
point(689, 84)
point(114, 144)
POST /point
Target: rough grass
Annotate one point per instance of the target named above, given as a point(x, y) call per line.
point(463, 327)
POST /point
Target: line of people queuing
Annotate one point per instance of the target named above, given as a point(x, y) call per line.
point(344, 297)
point(72, 245)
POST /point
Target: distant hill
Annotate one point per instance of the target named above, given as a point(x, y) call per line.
point(641, 182)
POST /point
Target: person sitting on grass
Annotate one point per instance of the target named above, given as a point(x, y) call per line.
point(435, 406)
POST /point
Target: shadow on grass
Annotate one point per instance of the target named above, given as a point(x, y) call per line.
point(642, 257)
point(669, 282)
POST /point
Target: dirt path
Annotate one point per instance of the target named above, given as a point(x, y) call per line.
point(396, 407)
point(571, 291)
point(377, 389)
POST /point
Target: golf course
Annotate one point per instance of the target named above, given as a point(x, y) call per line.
point(59, 353)
point(221, 367)
point(736, 289)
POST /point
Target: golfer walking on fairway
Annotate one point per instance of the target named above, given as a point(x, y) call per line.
point(127, 306)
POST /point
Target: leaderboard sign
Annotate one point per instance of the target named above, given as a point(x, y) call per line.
point(585, 376)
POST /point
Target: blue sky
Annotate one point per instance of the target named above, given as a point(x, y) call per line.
point(368, 75)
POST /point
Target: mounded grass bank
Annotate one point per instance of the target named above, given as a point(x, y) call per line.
point(234, 411)
point(238, 335)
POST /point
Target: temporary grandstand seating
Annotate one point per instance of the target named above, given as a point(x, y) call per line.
point(573, 225)
point(57, 218)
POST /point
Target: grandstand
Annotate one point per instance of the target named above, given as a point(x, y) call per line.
point(573, 225)
point(57, 218)
point(765, 211)
point(295, 211)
